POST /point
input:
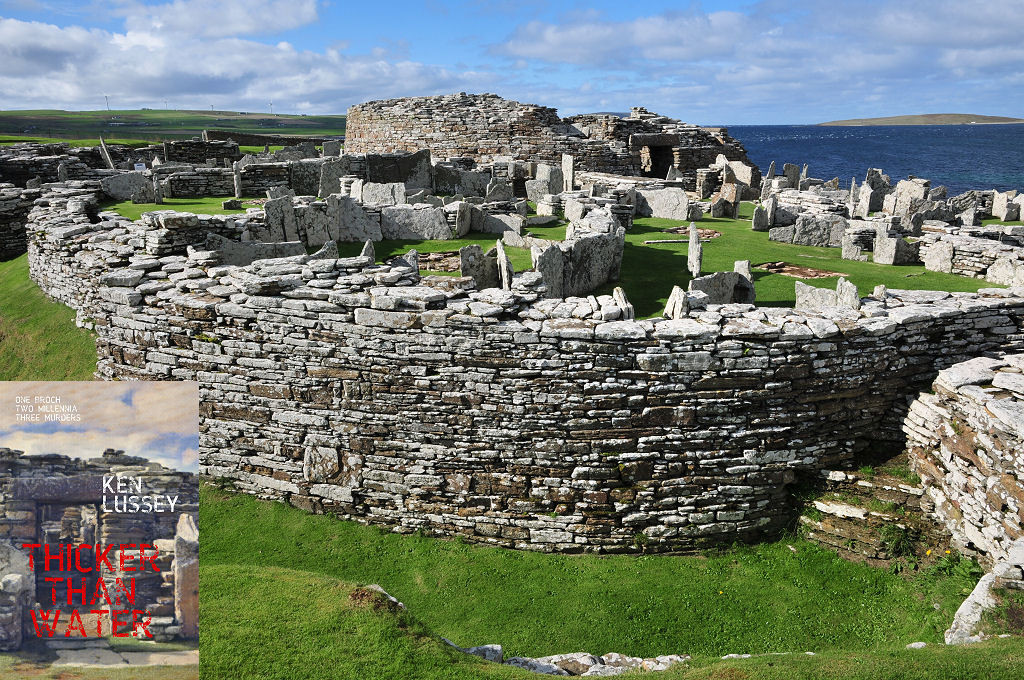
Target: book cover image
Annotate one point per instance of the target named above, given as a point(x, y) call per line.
point(99, 544)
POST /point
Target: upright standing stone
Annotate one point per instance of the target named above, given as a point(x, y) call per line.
point(568, 172)
point(744, 291)
point(792, 173)
point(694, 252)
point(186, 576)
point(332, 147)
point(550, 263)
point(677, 306)
point(623, 303)
point(505, 270)
point(368, 251)
point(846, 294)
point(760, 219)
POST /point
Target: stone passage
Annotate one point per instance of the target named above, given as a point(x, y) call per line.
point(966, 441)
point(486, 127)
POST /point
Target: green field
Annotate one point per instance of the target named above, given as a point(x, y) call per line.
point(38, 337)
point(290, 576)
point(155, 124)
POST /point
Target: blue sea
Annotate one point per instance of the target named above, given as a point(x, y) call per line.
point(961, 157)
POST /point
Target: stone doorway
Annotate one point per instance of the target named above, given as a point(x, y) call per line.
point(62, 524)
point(655, 161)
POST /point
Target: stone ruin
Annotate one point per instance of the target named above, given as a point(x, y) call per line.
point(510, 408)
point(53, 499)
point(907, 223)
point(500, 414)
point(486, 128)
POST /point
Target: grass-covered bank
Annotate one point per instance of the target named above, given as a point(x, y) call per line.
point(788, 595)
point(38, 337)
point(272, 623)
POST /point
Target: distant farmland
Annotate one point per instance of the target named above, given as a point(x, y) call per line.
point(156, 124)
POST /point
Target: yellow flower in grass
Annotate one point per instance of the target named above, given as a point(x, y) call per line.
point(928, 551)
point(947, 552)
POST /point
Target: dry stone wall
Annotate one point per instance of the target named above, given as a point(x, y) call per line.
point(966, 441)
point(486, 127)
point(15, 204)
point(344, 386)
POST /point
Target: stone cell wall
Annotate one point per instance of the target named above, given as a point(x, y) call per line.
point(975, 257)
point(344, 386)
point(486, 127)
point(198, 151)
point(246, 139)
point(966, 441)
point(199, 182)
point(15, 204)
point(349, 387)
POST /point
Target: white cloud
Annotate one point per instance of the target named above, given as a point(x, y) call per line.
point(156, 420)
point(218, 18)
point(53, 67)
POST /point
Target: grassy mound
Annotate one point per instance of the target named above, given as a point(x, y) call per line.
point(789, 595)
point(268, 622)
point(279, 602)
point(38, 337)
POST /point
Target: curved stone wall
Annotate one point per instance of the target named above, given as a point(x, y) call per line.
point(487, 127)
point(966, 441)
point(343, 386)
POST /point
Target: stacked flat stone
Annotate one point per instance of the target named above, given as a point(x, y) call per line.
point(486, 127)
point(481, 413)
point(966, 441)
point(974, 257)
point(197, 151)
point(15, 204)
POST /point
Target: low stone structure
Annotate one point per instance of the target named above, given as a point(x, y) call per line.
point(15, 204)
point(486, 127)
point(585, 440)
point(966, 441)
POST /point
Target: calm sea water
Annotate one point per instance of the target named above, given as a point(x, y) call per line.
point(961, 157)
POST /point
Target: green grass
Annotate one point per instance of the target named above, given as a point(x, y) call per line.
point(18, 139)
point(257, 149)
point(990, 221)
point(210, 205)
point(38, 337)
point(519, 257)
point(993, 660)
point(155, 124)
point(650, 271)
point(272, 623)
point(751, 599)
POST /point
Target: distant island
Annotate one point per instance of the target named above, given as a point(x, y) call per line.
point(929, 119)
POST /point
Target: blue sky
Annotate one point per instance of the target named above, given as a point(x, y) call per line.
point(156, 420)
point(776, 61)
